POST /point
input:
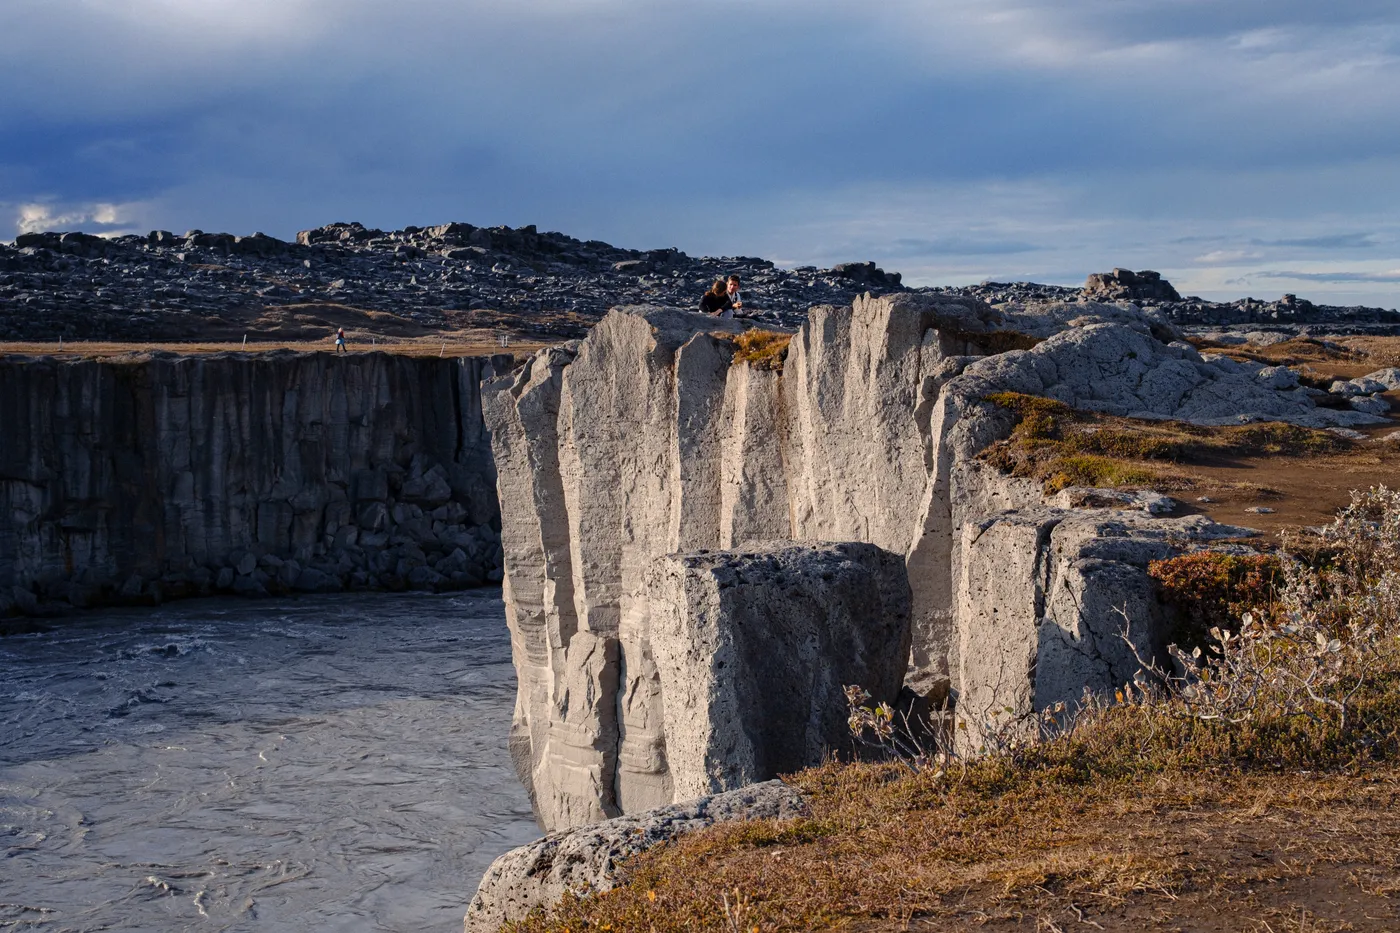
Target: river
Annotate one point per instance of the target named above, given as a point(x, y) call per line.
point(328, 763)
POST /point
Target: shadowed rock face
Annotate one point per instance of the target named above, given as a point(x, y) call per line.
point(755, 647)
point(157, 476)
point(647, 439)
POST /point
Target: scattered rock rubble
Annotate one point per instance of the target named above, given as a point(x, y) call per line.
point(199, 285)
point(217, 286)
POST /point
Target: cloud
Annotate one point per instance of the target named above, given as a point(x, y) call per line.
point(1347, 241)
point(1350, 277)
point(94, 218)
point(958, 246)
point(952, 140)
point(1228, 256)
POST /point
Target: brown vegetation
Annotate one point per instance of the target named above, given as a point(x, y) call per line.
point(762, 349)
point(1211, 589)
point(1063, 446)
point(1318, 361)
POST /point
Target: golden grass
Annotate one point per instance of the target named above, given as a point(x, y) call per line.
point(1062, 446)
point(762, 349)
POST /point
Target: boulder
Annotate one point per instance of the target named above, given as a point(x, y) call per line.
point(1053, 602)
point(586, 860)
point(1370, 405)
point(754, 648)
point(1277, 377)
point(1389, 377)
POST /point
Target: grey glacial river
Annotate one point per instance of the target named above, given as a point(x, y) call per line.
point(329, 763)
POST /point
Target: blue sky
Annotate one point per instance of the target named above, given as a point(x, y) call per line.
point(1237, 147)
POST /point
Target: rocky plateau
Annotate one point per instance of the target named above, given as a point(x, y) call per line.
point(165, 287)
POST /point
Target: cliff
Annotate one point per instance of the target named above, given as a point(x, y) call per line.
point(657, 435)
point(141, 478)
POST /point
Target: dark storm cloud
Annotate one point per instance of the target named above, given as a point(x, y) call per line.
point(952, 139)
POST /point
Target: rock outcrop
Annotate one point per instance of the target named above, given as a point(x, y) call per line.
point(652, 437)
point(143, 478)
point(646, 439)
point(1044, 600)
point(754, 648)
point(586, 860)
point(1127, 285)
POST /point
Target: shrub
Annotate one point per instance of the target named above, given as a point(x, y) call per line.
point(1213, 590)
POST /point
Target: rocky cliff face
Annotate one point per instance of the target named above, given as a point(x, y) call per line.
point(652, 437)
point(143, 478)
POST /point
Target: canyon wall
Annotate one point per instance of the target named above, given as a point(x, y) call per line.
point(137, 479)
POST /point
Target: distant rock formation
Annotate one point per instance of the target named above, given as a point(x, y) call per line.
point(151, 477)
point(164, 286)
point(1127, 285)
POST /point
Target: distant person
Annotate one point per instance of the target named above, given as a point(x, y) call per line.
point(716, 301)
point(340, 341)
point(732, 290)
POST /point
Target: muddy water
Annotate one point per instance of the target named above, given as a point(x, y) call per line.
point(336, 763)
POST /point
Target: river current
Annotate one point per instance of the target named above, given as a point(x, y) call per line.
point(329, 763)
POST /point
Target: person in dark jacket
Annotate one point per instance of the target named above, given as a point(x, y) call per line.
point(716, 301)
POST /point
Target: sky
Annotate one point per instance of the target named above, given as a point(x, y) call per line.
point(1240, 147)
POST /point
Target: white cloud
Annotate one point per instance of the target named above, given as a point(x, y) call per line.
point(102, 218)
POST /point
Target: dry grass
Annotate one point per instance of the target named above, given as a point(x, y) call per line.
point(1140, 818)
point(1063, 446)
point(762, 349)
point(1317, 361)
point(886, 850)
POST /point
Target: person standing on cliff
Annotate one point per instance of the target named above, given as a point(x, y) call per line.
point(715, 302)
point(340, 341)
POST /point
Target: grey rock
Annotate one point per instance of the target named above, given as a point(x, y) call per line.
point(1126, 285)
point(755, 646)
point(1370, 405)
point(239, 457)
point(1045, 601)
point(586, 860)
point(1389, 377)
point(311, 580)
point(1345, 389)
point(1277, 377)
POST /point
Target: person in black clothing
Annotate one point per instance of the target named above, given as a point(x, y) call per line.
point(716, 301)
